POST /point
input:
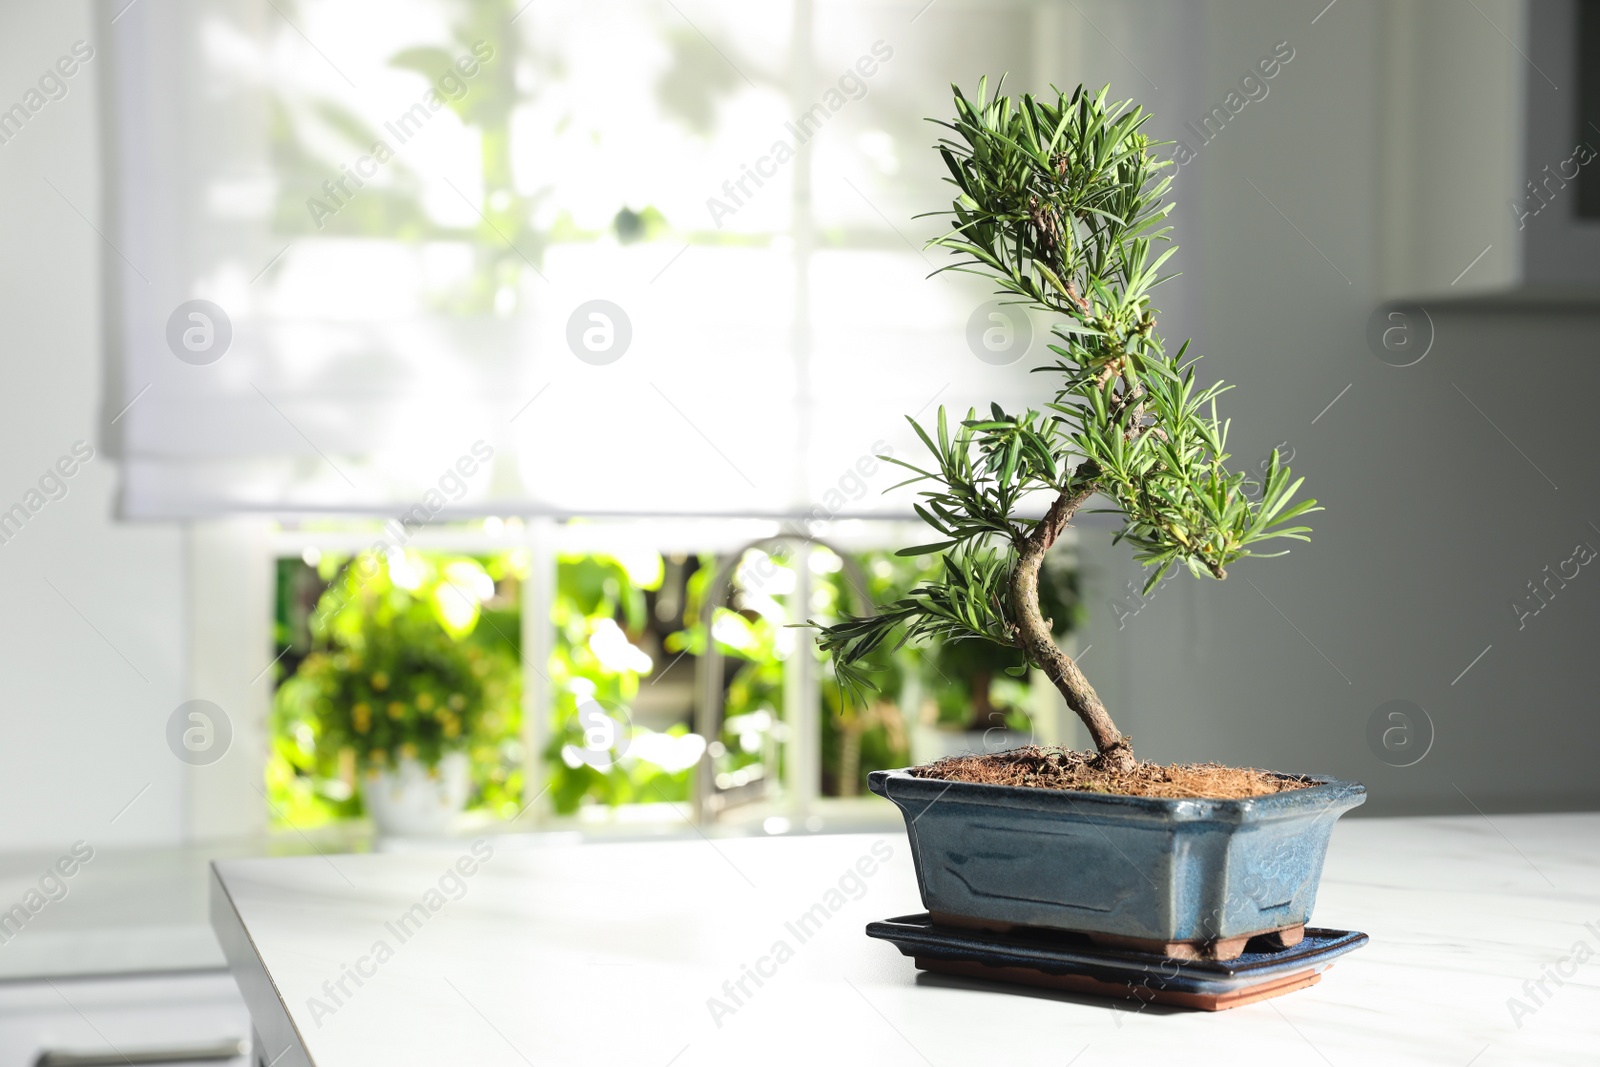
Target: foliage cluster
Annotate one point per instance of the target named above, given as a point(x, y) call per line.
point(1060, 203)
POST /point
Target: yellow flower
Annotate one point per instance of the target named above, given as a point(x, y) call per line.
point(396, 709)
point(380, 681)
point(457, 701)
point(451, 728)
point(408, 751)
point(424, 701)
point(362, 714)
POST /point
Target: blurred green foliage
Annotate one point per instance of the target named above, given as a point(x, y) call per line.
point(600, 612)
point(407, 661)
point(754, 646)
point(417, 654)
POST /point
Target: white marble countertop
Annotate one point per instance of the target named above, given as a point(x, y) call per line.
point(143, 910)
point(613, 953)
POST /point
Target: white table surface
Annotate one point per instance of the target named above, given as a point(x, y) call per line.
point(608, 954)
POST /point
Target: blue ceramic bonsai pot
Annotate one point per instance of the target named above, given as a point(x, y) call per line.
point(1147, 869)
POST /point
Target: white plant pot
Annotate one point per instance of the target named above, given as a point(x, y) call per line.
point(929, 743)
point(412, 801)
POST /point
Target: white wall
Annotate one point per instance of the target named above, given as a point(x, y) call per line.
point(86, 695)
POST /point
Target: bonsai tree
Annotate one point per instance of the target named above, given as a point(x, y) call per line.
point(1060, 204)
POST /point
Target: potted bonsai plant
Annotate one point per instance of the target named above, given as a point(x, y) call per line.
point(395, 695)
point(1060, 203)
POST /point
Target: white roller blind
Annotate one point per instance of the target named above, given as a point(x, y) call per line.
point(738, 179)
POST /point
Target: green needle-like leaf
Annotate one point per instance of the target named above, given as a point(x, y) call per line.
point(1060, 203)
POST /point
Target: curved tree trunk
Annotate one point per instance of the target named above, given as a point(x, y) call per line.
point(1035, 639)
point(982, 706)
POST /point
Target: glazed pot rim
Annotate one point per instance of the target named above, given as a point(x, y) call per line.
point(1327, 794)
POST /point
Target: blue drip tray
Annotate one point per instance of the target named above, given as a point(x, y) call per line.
point(1075, 963)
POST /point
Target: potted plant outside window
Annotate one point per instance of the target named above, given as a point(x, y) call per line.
point(1060, 203)
point(395, 698)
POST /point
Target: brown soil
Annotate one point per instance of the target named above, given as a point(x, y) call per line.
point(1061, 768)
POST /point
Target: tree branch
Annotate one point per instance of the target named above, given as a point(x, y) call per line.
point(1033, 633)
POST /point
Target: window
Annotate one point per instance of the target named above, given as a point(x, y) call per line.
point(621, 259)
point(621, 616)
point(494, 280)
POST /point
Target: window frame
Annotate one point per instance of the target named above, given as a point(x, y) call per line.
point(231, 579)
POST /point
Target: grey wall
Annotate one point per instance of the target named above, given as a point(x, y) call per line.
point(1389, 147)
point(1435, 525)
